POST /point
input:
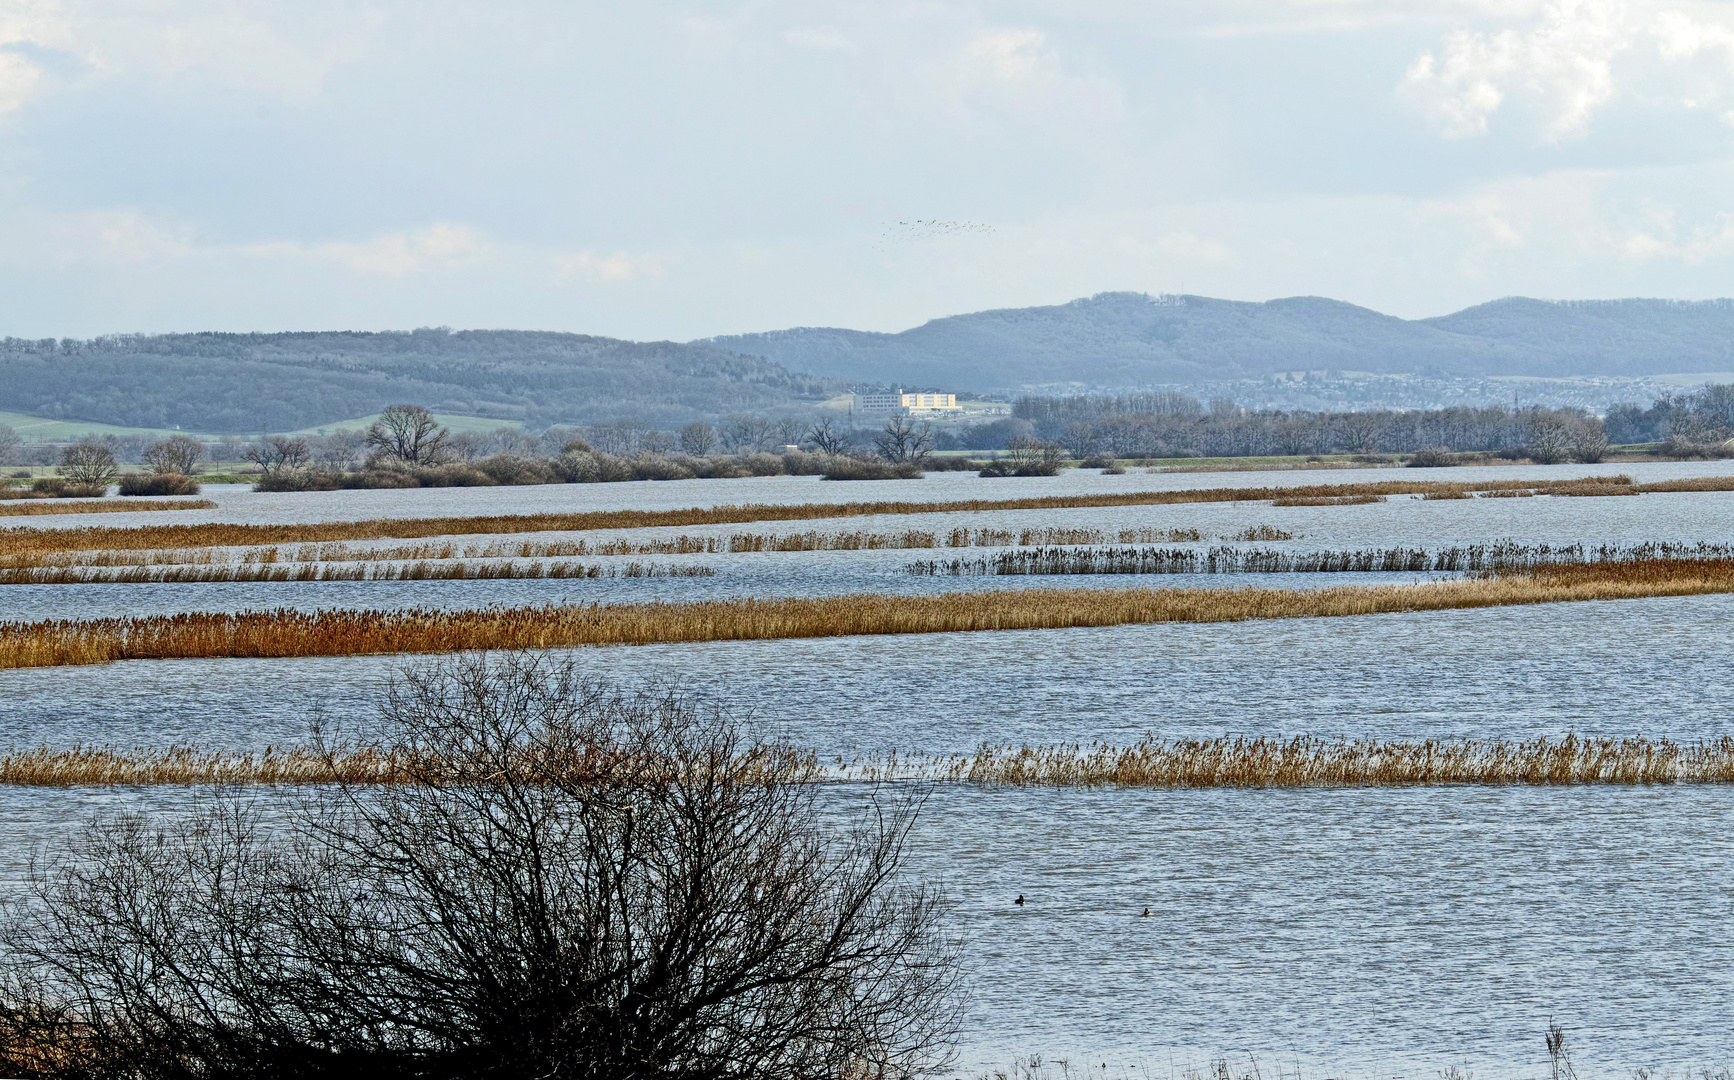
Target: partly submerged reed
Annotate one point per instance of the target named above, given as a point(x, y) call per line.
point(106, 506)
point(381, 571)
point(1314, 762)
point(284, 633)
point(1472, 558)
point(1152, 763)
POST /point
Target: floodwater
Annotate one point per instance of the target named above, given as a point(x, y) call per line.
point(1365, 933)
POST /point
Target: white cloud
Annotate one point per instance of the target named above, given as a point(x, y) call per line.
point(1015, 73)
point(19, 80)
point(228, 43)
point(616, 266)
point(438, 246)
point(1563, 65)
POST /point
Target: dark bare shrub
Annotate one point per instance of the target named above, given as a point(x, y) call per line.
point(410, 434)
point(568, 882)
point(175, 455)
point(576, 467)
point(1433, 457)
point(158, 484)
point(698, 438)
point(88, 465)
point(847, 468)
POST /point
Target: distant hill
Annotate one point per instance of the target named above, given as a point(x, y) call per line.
point(246, 383)
point(1131, 339)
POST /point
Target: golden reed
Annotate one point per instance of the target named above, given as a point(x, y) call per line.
point(286, 633)
point(106, 506)
point(1152, 763)
point(96, 538)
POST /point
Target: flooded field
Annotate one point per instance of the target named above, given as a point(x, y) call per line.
point(1352, 932)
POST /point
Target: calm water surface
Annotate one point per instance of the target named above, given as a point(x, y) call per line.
point(1373, 933)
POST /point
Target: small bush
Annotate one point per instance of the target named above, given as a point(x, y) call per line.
point(846, 468)
point(949, 464)
point(86, 491)
point(52, 486)
point(1008, 467)
point(1433, 457)
point(512, 470)
point(763, 465)
point(158, 484)
point(658, 467)
point(1114, 470)
point(1680, 446)
point(1096, 461)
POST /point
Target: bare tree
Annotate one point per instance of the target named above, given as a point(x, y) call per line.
point(88, 464)
point(902, 439)
point(824, 435)
point(408, 433)
point(10, 441)
point(178, 454)
point(745, 433)
point(564, 882)
point(698, 438)
point(278, 453)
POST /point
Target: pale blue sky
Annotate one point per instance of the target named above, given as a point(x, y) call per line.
point(674, 170)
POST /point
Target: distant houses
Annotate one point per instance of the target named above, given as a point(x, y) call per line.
point(898, 403)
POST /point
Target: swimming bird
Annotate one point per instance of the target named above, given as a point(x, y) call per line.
point(1020, 900)
point(1146, 914)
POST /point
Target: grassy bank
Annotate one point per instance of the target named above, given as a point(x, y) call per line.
point(20, 541)
point(350, 633)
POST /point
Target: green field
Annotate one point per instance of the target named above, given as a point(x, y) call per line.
point(42, 429)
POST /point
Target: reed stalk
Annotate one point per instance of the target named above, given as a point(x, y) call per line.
point(21, 541)
point(285, 633)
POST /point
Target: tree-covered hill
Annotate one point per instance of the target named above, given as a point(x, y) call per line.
point(280, 382)
point(1127, 340)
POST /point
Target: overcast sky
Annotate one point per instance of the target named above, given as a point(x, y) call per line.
point(674, 170)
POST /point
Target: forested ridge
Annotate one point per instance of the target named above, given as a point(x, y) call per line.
point(246, 383)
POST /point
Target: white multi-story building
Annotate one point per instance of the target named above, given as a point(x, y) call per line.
point(901, 403)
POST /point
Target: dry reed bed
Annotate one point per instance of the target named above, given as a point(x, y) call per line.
point(417, 571)
point(1312, 762)
point(105, 506)
point(19, 541)
point(1151, 763)
point(284, 633)
point(1472, 558)
point(675, 545)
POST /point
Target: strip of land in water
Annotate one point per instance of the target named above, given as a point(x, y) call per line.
point(21, 541)
point(105, 506)
point(1152, 763)
point(286, 633)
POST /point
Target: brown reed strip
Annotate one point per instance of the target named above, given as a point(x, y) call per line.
point(1321, 763)
point(1304, 762)
point(32, 541)
point(285, 633)
point(104, 506)
point(417, 571)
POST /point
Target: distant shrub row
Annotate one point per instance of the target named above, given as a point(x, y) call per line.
point(584, 466)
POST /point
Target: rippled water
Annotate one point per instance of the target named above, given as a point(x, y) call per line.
point(1374, 932)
